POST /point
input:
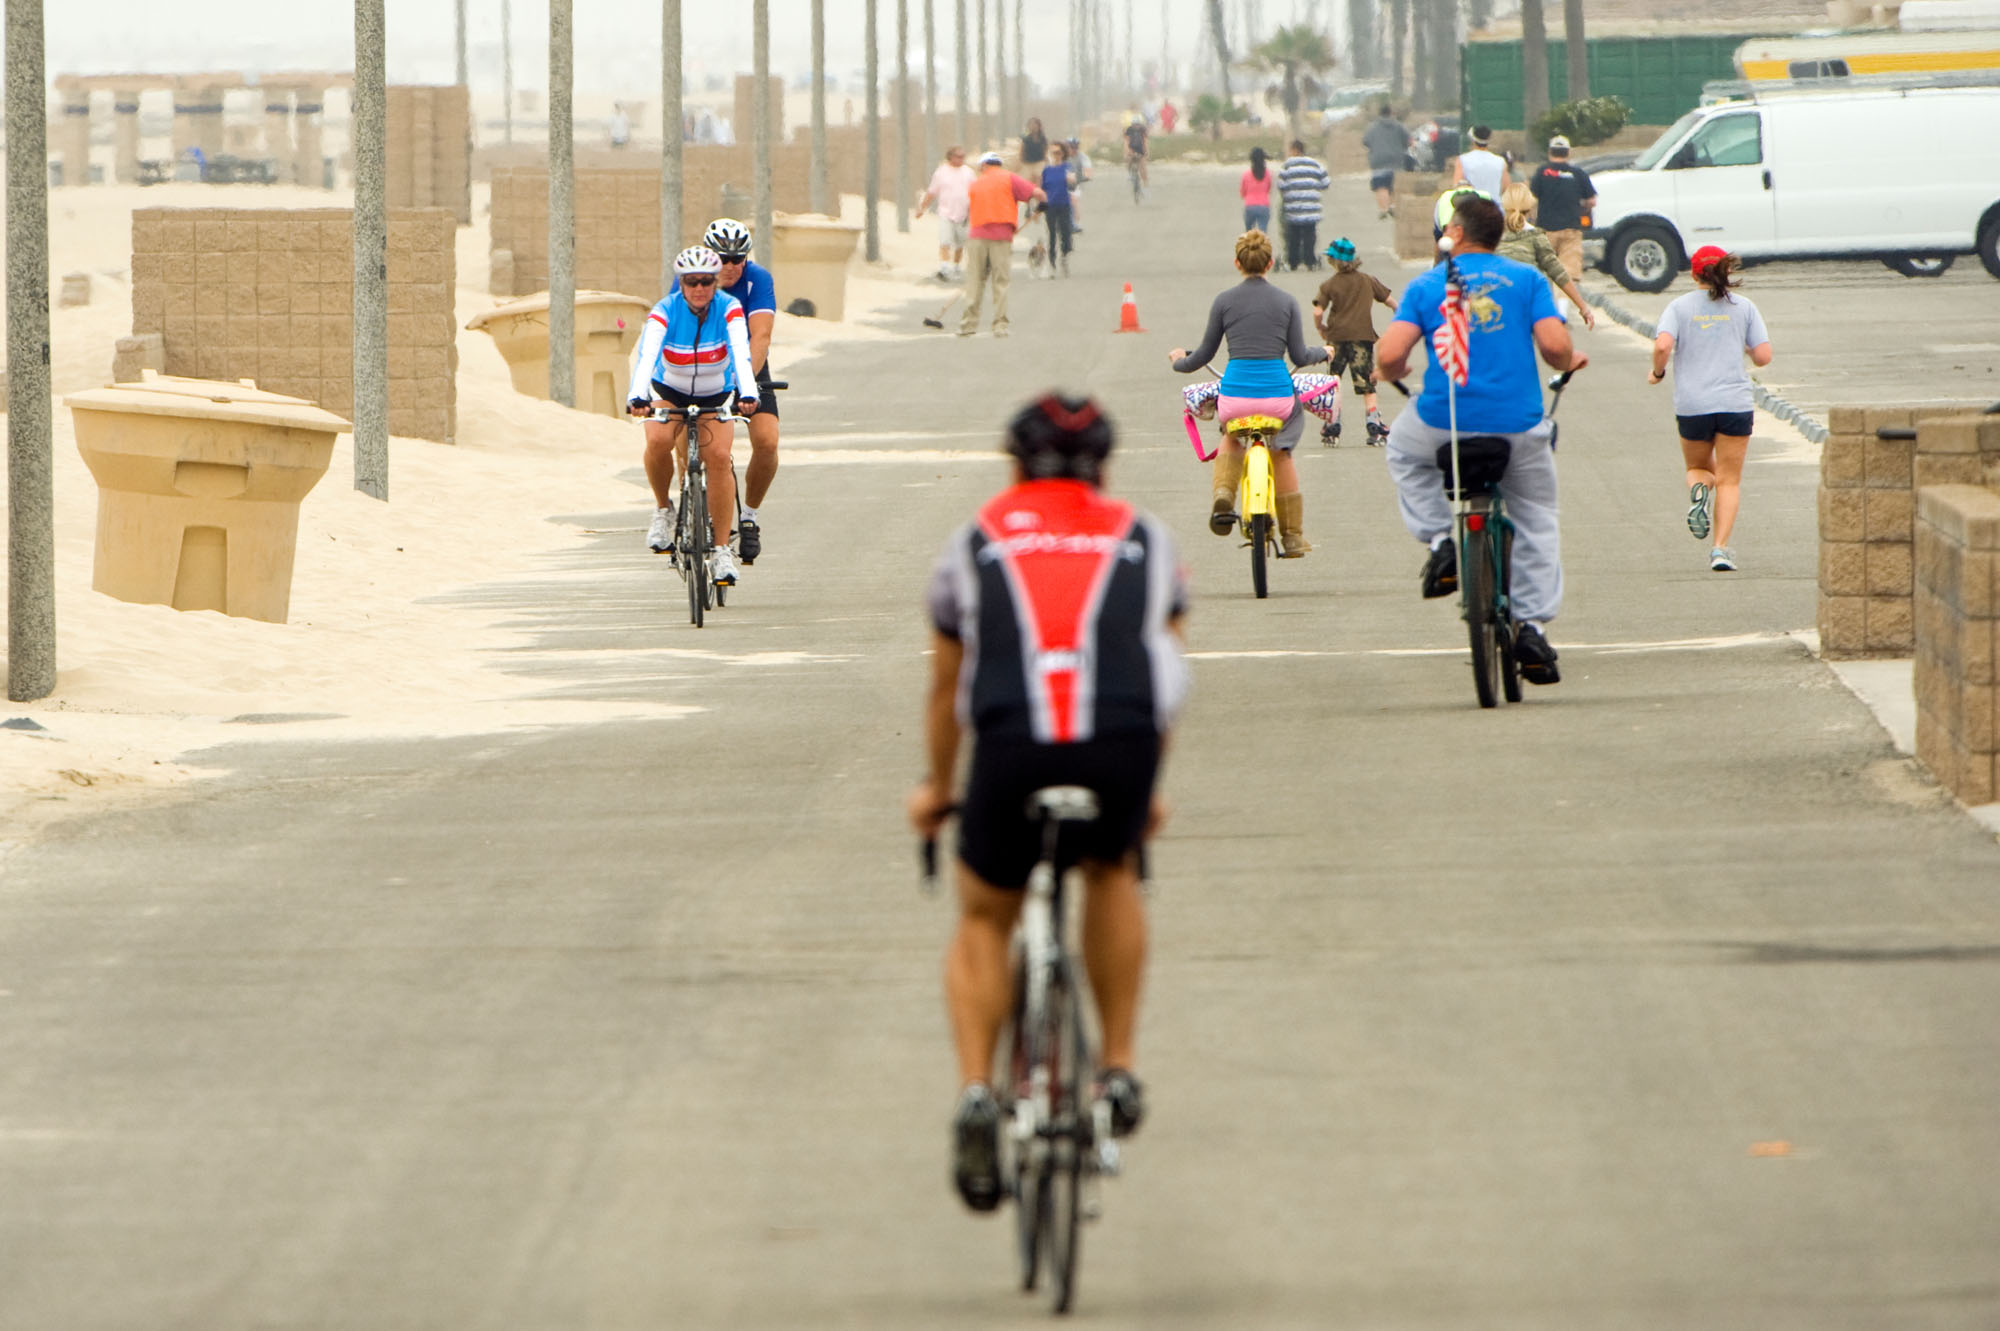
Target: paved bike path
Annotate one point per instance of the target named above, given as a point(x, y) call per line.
point(1662, 999)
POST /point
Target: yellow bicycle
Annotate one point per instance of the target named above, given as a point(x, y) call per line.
point(1257, 495)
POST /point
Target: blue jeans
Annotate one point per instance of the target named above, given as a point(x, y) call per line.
point(1257, 219)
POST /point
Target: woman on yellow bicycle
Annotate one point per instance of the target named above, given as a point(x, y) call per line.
point(1262, 326)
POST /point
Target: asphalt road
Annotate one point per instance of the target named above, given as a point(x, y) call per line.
point(1662, 1000)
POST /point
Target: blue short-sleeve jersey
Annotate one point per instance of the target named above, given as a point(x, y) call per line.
point(755, 290)
point(1505, 300)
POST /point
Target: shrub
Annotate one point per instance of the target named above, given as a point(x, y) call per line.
point(1592, 120)
point(1211, 113)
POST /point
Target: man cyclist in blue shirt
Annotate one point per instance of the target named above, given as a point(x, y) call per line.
point(751, 284)
point(1512, 317)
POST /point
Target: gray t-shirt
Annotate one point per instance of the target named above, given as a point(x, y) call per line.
point(1386, 141)
point(1710, 337)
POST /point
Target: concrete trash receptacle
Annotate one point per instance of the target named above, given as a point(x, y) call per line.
point(608, 325)
point(809, 256)
point(198, 490)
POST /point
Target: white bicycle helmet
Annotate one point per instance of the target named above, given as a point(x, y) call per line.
point(727, 237)
point(697, 259)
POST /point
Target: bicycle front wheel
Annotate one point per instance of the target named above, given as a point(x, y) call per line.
point(694, 532)
point(1480, 620)
point(1260, 551)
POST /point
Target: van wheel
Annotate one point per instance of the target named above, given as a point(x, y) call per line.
point(1645, 258)
point(1989, 243)
point(1920, 265)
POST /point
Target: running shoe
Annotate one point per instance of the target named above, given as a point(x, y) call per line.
point(660, 536)
point(1701, 509)
point(1537, 657)
point(722, 567)
point(749, 540)
point(1127, 1098)
point(1441, 570)
point(1720, 562)
point(975, 1155)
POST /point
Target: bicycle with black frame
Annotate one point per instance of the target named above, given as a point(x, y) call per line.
point(694, 545)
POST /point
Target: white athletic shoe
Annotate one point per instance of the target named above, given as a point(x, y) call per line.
point(660, 536)
point(722, 567)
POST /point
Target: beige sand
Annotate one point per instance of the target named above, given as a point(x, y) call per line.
point(383, 642)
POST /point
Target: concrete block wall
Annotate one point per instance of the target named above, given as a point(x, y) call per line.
point(429, 131)
point(1958, 637)
point(618, 217)
point(268, 294)
point(1867, 498)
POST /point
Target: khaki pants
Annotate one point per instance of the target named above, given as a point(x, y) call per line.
point(1569, 248)
point(984, 258)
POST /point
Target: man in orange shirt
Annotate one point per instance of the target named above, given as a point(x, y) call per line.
point(997, 196)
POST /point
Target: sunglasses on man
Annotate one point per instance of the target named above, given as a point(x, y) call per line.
point(697, 281)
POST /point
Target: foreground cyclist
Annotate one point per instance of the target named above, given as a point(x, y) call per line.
point(694, 353)
point(1057, 617)
point(753, 288)
point(1513, 316)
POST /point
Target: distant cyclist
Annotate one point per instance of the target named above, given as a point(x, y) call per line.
point(1056, 617)
point(751, 284)
point(694, 353)
point(1136, 147)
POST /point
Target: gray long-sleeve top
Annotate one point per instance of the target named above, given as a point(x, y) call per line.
point(1261, 323)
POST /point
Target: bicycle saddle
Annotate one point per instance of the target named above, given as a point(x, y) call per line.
point(1065, 804)
point(1254, 425)
point(1485, 458)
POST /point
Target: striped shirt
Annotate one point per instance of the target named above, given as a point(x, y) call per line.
point(1302, 180)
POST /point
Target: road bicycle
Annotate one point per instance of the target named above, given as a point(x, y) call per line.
point(1473, 467)
point(1056, 1129)
point(1132, 165)
point(692, 553)
point(1257, 496)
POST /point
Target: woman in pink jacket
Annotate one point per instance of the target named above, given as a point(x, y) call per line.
point(1256, 191)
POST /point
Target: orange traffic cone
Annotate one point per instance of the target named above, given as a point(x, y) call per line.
point(1128, 313)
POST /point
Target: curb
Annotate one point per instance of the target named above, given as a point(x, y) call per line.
point(1805, 422)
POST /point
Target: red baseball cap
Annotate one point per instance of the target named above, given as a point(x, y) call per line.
point(1707, 255)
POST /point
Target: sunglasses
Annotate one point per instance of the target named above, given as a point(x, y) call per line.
point(697, 281)
point(738, 262)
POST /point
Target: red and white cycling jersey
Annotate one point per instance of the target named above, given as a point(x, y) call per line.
point(1062, 597)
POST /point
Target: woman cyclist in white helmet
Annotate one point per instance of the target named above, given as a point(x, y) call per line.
point(695, 352)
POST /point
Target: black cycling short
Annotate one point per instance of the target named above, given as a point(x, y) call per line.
point(674, 397)
point(996, 838)
point(1703, 428)
point(767, 397)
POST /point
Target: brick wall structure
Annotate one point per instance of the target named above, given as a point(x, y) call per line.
point(268, 294)
point(429, 134)
point(1867, 504)
point(1958, 637)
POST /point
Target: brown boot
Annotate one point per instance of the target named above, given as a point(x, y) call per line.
point(1291, 525)
point(1222, 511)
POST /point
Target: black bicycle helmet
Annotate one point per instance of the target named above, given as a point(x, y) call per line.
point(1060, 437)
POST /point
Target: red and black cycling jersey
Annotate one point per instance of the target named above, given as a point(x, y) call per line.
point(1062, 597)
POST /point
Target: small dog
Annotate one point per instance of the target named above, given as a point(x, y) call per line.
point(1038, 261)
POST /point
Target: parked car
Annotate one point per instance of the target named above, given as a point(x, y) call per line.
point(1878, 172)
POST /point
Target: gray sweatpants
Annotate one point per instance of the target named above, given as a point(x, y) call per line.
point(1529, 489)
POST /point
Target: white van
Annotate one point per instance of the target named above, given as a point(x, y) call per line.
point(1910, 176)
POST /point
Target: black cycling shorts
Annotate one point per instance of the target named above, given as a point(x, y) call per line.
point(674, 397)
point(1703, 428)
point(996, 838)
point(767, 398)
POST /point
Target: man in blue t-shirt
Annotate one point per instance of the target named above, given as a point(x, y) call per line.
point(753, 288)
point(1512, 317)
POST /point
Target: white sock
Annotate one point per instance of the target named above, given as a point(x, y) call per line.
point(1438, 540)
point(747, 513)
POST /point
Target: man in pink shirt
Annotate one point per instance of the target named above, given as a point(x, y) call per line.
point(950, 191)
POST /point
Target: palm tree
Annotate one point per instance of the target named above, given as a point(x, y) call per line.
point(1363, 40)
point(1578, 50)
point(1399, 36)
point(1219, 33)
point(1298, 55)
point(1534, 63)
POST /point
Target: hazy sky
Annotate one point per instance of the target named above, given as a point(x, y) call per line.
point(617, 41)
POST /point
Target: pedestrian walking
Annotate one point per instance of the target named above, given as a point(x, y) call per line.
point(1055, 185)
point(950, 191)
point(1566, 197)
point(1256, 192)
point(1706, 334)
point(1482, 168)
point(1079, 176)
point(996, 198)
point(1344, 315)
point(1302, 180)
point(1387, 142)
point(1527, 243)
point(1034, 145)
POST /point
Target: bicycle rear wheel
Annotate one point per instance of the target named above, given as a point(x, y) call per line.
point(1029, 1194)
point(1479, 617)
point(694, 531)
point(1260, 551)
point(1510, 665)
point(1062, 1181)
